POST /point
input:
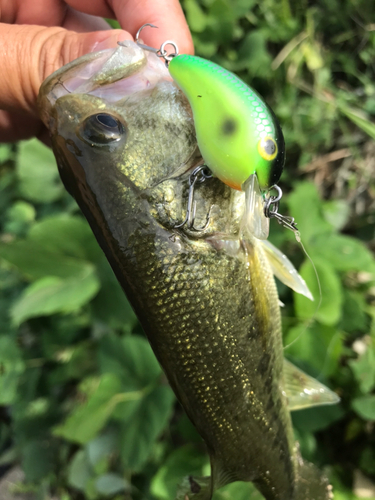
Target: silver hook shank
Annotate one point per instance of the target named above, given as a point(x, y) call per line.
point(142, 45)
point(197, 176)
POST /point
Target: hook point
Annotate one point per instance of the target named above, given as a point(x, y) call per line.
point(142, 27)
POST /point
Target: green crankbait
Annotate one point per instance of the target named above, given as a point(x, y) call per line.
point(237, 132)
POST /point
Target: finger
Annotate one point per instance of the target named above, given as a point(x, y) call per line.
point(83, 23)
point(132, 14)
point(50, 13)
point(17, 126)
point(31, 53)
point(167, 15)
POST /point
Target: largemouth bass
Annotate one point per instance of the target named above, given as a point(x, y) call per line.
point(124, 140)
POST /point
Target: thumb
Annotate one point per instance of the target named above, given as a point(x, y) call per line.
point(31, 53)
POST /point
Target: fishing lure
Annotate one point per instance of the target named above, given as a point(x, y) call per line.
point(239, 137)
point(237, 132)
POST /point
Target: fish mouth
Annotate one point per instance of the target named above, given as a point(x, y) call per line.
point(111, 74)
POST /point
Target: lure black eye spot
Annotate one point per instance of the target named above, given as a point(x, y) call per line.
point(270, 147)
point(229, 126)
point(102, 129)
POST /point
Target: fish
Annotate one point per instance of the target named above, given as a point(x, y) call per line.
point(125, 143)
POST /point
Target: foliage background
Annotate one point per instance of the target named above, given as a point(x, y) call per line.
point(85, 408)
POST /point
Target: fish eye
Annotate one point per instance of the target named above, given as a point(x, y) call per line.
point(267, 148)
point(101, 129)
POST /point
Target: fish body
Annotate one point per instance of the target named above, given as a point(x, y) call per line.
point(206, 300)
point(237, 132)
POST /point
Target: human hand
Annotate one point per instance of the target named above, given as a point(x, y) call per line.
point(38, 37)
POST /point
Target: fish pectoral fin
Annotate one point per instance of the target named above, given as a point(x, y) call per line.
point(303, 391)
point(194, 488)
point(284, 270)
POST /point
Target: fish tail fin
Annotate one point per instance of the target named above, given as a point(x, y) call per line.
point(312, 484)
point(195, 488)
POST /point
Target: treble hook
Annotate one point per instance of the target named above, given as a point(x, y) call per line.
point(159, 52)
point(271, 207)
point(199, 175)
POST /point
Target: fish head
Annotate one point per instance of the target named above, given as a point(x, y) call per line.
point(123, 135)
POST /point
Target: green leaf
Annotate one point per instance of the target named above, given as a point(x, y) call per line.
point(11, 367)
point(329, 311)
point(364, 369)
point(182, 462)
point(8, 279)
point(305, 205)
point(367, 460)
point(35, 261)
point(142, 419)
point(37, 172)
point(102, 446)
point(253, 54)
point(317, 347)
point(336, 212)
point(5, 152)
point(221, 20)
point(9, 456)
point(196, 18)
point(364, 406)
point(316, 419)
point(312, 55)
point(307, 442)
point(110, 484)
point(140, 431)
point(113, 23)
point(140, 360)
point(111, 306)
point(341, 491)
point(79, 472)
point(242, 7)
point(87, 420)
point(68, 235)
point(343, 253)
point(131, 359)
point(38, 459)
point(354, 318)
point(359, 118)
point(19, 216)
point(238, 491)
point(53, 295)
